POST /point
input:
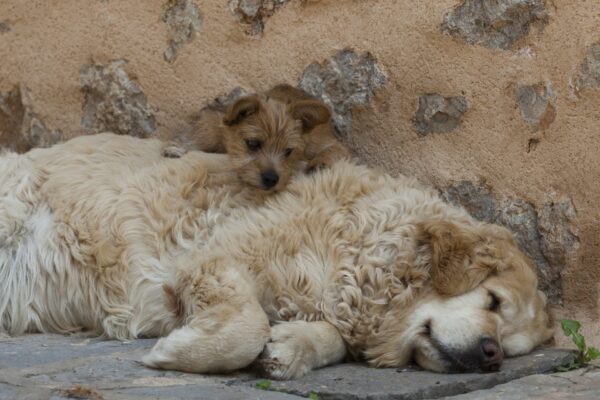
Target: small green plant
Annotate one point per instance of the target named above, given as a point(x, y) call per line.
point(313, 396)
point(263, 384)
point(586, 353)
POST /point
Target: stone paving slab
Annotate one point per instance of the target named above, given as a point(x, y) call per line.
point(58, 367)
point(351, 381)
point(582, 384)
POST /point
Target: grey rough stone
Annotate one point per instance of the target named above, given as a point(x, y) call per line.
point(183, 21)
point(536, 104)
point(438, 114)
point(495, 23)
point(478, 199)
point(21, 129)
point(113, 102)
point(547, 234)
point(119, 369)
point(556, 221)
point(220, 392)
point(220, 104)
point(7, 391)
point(225, 100)
point(253, 13)
point(343, 82)
point(583, 384)
point(4, 27)
point(521, 218)
point(590, 68)
point(29, 351)
point(58, 367)
point(350, 381)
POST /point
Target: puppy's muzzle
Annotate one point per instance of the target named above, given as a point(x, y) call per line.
point(269, 179)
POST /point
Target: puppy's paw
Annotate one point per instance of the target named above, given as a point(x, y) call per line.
point(318, 163)
point(288, 355)
point(174, 152)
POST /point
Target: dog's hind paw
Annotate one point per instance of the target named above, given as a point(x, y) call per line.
point(158, 357)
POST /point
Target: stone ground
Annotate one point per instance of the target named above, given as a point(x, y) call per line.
point(59, 367)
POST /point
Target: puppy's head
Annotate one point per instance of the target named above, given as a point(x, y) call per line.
point(483, 304)
point(264, 137)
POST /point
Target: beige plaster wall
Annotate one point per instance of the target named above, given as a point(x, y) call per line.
point(45, 44)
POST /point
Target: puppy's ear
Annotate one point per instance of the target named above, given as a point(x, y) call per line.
point(311, 113)
point(455, 266)
point(241, 109)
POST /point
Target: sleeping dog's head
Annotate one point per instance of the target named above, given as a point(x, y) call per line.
point(483, 304)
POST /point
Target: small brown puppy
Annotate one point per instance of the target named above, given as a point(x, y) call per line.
point(267, 136)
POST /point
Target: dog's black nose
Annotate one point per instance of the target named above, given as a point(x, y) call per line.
point(491, 354)
point(269, 179)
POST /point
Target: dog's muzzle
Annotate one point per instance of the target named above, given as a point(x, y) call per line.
point(486, 356)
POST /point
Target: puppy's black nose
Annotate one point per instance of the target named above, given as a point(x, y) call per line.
point(269, 179)
point(491, 354)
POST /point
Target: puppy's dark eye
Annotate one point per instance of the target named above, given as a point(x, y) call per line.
point(494, 302)
point(253, 144)
point(288, 152)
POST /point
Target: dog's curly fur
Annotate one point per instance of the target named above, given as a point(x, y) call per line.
point(292, 130)
point(102, 233)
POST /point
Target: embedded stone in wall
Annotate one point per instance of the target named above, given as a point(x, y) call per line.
point(343, 82)
point(183, 21)
point(476, 199)
point(438, 114)
point(4, 27)
point(198, 122)
point(535, 103)
point(253, 13)
point(113, 102)
point(222, 102)
point(521, 217)
point(556, 226)
point(20, 127)
point(590, 69)
point(495, 23)
point(546, 234)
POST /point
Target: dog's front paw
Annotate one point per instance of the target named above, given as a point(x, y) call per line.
point(287, 355)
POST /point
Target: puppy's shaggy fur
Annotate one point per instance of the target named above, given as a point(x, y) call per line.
point(103, 233)
point(268, 136)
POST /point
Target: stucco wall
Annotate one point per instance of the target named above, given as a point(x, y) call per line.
point(499, 107)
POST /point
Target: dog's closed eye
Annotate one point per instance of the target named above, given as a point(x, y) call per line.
point(288, 152)
point(495, 302)
point(426, 329)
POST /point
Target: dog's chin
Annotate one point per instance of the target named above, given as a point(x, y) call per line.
point(256, 184)
point(439, 359)
point(269, 189)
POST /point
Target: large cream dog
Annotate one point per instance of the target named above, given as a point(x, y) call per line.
point(104, 234)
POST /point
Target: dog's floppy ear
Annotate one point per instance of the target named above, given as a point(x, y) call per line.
point(311, 113)
point(241, 109)
point(455, 266)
